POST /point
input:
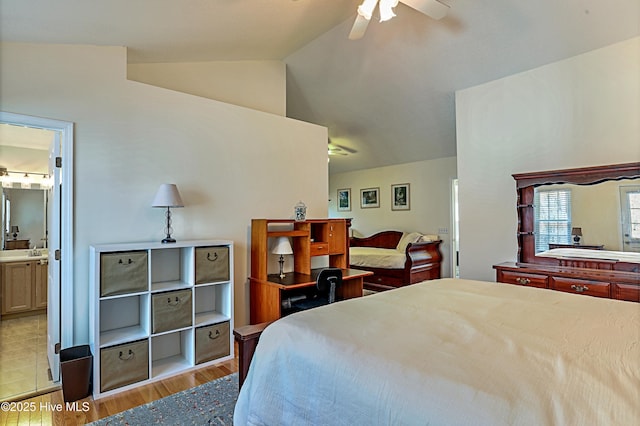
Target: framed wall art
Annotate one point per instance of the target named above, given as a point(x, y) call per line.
point(400, 197)
point(344, 200)
point(369, 198)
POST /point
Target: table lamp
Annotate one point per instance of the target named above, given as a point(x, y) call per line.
point(168, 196)
point(282, 247)
point(14, 231)
point(577, 233)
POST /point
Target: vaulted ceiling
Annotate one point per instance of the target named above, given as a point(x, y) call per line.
point(387, 98)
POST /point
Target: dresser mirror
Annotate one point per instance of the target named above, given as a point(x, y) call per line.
point(599, 194)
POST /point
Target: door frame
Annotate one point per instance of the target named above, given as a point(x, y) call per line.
point(66, 217)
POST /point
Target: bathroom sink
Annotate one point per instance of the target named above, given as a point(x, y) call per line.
point(22, 255)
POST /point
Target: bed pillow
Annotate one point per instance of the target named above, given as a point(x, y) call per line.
point(427, 238)
point(408, 238)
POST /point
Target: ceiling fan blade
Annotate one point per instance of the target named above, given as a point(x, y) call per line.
point(432, 8)
point(359, 27)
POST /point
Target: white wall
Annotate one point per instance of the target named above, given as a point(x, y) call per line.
point(430, 184)
point(259, 85)
point(582, 111)
point(230, 163)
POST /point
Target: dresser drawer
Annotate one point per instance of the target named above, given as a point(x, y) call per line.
point(520, 278)
point(123, 272)
point(571, 285)
point(319, 249)
point(212, 264)
point(212, 342)
point(626, 292)
point(171, 310)
point(124, 364)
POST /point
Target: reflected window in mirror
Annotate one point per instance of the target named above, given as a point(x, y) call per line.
point(552, 217)
point(630, 207)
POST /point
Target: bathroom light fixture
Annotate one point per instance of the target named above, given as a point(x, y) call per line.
point(168, 196)
point(26, 179)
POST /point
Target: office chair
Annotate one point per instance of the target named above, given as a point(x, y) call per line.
point(328, 280)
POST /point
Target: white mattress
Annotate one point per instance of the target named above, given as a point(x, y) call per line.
point(376, 257)
point(620, 256)
point(452, 352)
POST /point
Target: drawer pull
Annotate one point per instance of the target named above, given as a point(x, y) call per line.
point(173, 303)
point(523, 281)
point(215, 257)
point(128, 357)
point(214, 337)
point(579, 288)
point(128, 263)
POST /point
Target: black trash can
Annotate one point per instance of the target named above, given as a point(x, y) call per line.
point(76, 367)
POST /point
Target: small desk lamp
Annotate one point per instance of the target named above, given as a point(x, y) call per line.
point(577, 233)
point(15, 230)
point(282, 247)
point(168, 196)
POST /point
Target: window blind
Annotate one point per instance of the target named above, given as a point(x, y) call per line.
point(552, 218)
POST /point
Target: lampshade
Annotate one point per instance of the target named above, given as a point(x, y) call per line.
point(15, 229)
point(576, 231)
point(167, 196)
point(282, 246)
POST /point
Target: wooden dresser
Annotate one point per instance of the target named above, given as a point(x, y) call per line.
point(589, 275)
point(621, 285)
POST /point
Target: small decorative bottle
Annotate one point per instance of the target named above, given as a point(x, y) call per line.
point(300, 212)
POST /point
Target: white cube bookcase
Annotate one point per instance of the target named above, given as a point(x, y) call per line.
point(125, 319)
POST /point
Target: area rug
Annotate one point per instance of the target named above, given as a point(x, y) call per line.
point(208, 404)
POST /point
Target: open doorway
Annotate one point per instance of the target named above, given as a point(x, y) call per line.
point(455, 231)
point(52, 257)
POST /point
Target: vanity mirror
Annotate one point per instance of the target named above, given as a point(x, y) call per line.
point(24, 210)
point(601, 230)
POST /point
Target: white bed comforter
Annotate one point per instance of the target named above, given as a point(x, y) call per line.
point(376, 257)
point(449, 352)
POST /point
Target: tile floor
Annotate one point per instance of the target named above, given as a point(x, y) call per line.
point(23, 357)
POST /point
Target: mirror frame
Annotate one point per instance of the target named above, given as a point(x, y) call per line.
point(525, 187)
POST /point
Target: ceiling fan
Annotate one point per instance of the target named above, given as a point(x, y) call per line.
point(432, 8)
point(337, 149)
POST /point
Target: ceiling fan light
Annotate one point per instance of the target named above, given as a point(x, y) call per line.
point(386, 9)
point(366, 8)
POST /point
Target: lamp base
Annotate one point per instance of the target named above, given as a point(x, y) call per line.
point(168, 240)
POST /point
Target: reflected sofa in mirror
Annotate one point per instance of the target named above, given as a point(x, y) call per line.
point(599, 220)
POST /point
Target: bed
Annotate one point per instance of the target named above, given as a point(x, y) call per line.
point(449, 352)
point(396, 258)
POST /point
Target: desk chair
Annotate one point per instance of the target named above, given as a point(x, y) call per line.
point(329, 279)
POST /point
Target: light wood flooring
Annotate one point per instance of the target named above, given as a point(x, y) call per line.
point(23, 357)
point(42, 410)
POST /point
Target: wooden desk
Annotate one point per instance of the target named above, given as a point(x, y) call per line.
point(267, 295)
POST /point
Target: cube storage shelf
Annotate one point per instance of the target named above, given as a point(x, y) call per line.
point(158, 310)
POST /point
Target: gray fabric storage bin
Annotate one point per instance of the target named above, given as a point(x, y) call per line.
point(124, 364)
point(212, 342)
point(123, 272)
point(212, 264)
point(171, 310)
